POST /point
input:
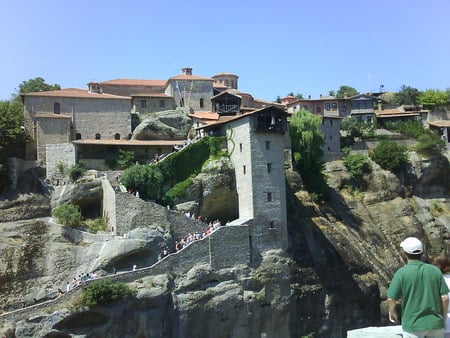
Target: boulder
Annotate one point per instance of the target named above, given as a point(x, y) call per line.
point(167, 125)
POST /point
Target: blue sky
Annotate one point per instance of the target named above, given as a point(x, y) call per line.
point(275, 47)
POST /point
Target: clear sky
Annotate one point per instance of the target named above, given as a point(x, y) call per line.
point(275, 47)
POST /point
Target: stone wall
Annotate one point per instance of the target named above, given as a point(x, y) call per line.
point(259, 161)
point(89, 116)
point(224, 248)
point(59, 156)
point(51, 131)
point(16, 167)
point(109, 205)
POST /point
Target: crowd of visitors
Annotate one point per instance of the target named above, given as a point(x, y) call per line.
point(80, 279)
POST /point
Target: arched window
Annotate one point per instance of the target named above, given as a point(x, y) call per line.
point(201, 103)
point(117, 136)
point(56, 108)
point(78, 136)
point(97, 136)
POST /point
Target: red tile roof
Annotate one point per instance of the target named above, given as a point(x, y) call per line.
point(207, 115)
point(130, 142)
point(52, 116)
point(134, 82)
point(162, 95)
point(75, 92)
point(440, 123)
point(190, 77)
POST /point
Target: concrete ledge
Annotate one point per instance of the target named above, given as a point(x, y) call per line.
point(376, 332)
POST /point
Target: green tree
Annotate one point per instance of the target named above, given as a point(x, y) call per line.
point(68, 214)
point(429, 144)
point(145, 179)
point(76, 171)
point(12, 138)
point(307, 141)
point(346, 91)
point(37, 84)
point(278, 99)
point(126, 159)
point(406, 95)
point(433, 98)
point(357, 165)
point(102, 292)
point(332, 93)
point(390, 156)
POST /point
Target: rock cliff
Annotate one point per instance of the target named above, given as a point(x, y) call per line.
point(333, 277)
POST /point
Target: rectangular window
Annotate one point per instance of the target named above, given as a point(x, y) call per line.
point(318, 110)
point(327, 106)
point(143, 104)
point(269, 197)
point(343, 109)
point(334, 106)
point(331, 122)
point(272, 225)
point(162, 103)
point(240, 147)
point(243, 169)
point(267, 145)
point(269, 167)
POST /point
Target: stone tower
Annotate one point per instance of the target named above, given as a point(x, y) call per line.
point(257, 143)
point(227, 80)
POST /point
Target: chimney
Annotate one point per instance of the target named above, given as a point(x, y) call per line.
point(320, 95)
point(187, 71)
point(309, 97)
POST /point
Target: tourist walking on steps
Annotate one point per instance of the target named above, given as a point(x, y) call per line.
point(422, 290)
point(443, 263)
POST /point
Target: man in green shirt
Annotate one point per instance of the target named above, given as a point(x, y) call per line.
point(423, 293)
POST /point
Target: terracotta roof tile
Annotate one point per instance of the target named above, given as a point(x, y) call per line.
point(162, 95)
point(207, 115)
point(130, 142)
point(75, 92)
point(190, 77)
point(134, 82)
point(52, 116)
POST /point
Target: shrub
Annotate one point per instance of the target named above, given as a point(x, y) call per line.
point(76, 171)
point(68, 214)
point(111, 163)
point(126, 159)
point(95, 225)
point(146, 179)
point(429, 144)
point(103, 292)
point(390, 156)
point(357, 165)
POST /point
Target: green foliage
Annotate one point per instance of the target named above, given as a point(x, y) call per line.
point(182, 164)
point(111, 163)
point(126, 159)
point(433, 98)
point(346, 91)
point(178, 190)
point(76, 171)
point(429, 144)
point(103, 292)
point(146, 179)
point(68, 214)
point(37, 84)
point(357, 165)
point(12, 138)
point(215, 147)
point(408, 128)
point(307, 140)
point(95, 225)
point(390, 156)
point(406, 95)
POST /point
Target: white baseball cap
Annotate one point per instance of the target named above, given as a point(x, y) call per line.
point(412, 246)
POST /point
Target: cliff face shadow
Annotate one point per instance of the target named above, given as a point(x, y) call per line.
point(354, 304)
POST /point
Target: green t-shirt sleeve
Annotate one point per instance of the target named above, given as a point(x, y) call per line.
point(394, 291)
point(444, 288)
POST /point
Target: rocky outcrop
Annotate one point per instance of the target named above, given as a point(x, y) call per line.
point(212, 193)
point(333, 278)
point(167, 125)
